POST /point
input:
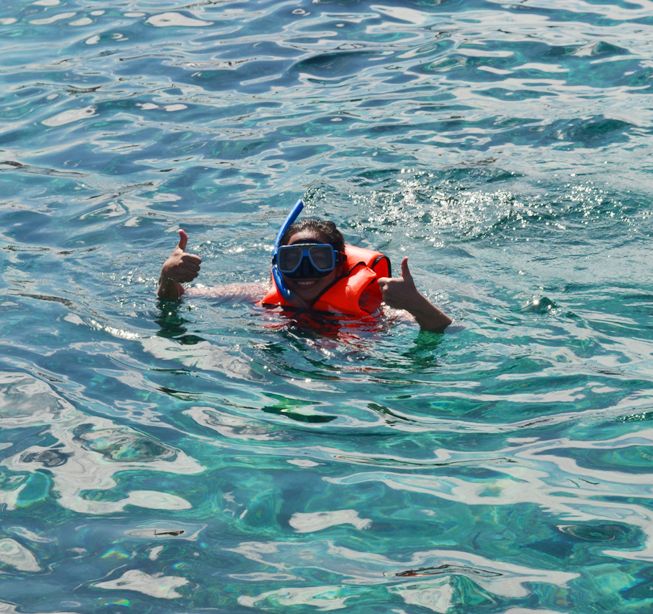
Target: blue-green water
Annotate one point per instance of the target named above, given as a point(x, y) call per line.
point(217, 458)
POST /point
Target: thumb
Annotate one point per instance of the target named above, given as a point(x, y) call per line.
point(405, 271)
point(183, 239)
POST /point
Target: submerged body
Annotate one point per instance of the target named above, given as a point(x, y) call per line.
point(356, 282)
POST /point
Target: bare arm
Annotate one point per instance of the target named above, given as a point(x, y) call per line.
point(235, 292)
point(401, 293)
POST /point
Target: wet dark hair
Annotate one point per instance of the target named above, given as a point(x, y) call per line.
point(325, 228)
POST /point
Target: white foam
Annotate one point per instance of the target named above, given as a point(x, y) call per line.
point(116, 332)
point(155, 500)
point(84, 21)
point(317, 521)
point(322, 598)
point(166, 20)
point(17, 556)
point(303, 462)
point(154, 585)
point(7, 21)
point(68, 117)
point(154, 553)
point(166, 197)
point(434, 595)
point(49, 20)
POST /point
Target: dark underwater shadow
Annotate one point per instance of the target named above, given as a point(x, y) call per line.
point(173, 323)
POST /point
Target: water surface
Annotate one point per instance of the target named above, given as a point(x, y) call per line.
point(214, 457)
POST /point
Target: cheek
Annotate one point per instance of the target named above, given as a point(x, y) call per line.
point(330, 278)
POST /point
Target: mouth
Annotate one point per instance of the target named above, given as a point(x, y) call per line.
point(306, 283)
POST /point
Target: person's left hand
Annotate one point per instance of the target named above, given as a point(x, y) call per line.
point(400, 292)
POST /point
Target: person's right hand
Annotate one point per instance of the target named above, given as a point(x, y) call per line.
point(180, 266)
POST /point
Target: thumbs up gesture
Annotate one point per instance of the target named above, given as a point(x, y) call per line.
point(180, 267)
point(399, 292)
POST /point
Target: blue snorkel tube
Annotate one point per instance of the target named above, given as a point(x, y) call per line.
point(276, 274)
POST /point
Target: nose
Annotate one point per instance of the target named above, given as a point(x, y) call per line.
point(306, 268)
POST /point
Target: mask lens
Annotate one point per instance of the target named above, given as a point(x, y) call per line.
point(322, 257)
point(289, 257)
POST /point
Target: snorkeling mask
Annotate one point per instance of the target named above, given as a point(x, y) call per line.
point(303, 260)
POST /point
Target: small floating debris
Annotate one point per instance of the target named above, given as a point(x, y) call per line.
point(170, 532)
point(447, 569)
point(178, 20)
point(540, 304)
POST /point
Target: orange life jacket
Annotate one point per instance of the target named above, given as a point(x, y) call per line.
point(363, 267)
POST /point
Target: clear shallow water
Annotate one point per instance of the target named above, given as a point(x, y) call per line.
point(213, 457)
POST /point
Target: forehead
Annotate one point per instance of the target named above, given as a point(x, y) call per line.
point(307, 236)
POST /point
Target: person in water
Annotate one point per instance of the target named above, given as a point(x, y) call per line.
point(314, 271)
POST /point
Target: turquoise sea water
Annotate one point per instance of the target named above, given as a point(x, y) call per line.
point(215, 458)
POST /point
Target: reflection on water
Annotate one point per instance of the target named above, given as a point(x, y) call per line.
point(74, 448)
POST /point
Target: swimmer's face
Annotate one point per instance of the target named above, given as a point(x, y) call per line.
point(309, 288)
